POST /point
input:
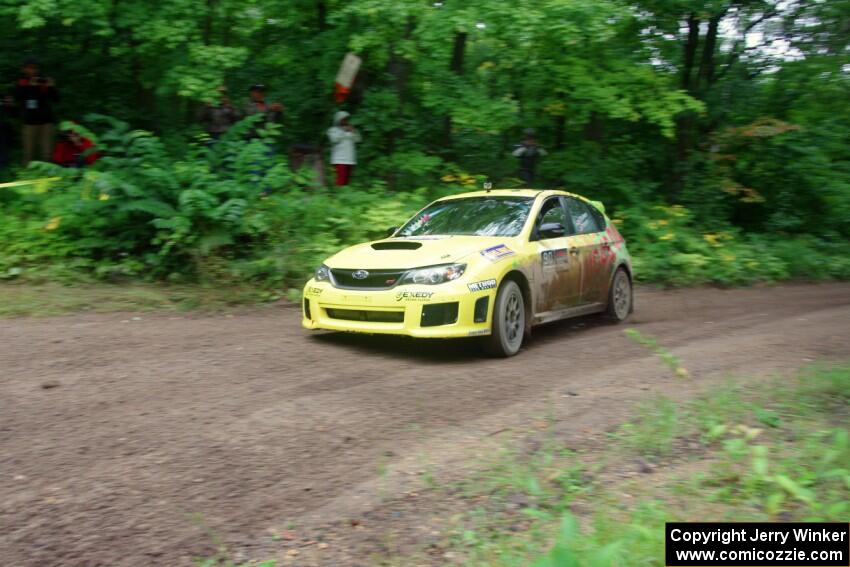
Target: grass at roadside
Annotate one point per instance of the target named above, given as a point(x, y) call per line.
point(56, 299)
point(770, 452)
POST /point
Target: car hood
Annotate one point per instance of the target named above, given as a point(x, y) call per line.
point(412, 252)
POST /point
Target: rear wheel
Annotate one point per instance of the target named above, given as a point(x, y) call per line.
point(620, 297)
point(508, 326)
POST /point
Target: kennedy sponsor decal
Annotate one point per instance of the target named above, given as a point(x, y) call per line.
point(481, 286)
point(496, 253)
point(314, 291)
point(552, 258)
point(414, 295)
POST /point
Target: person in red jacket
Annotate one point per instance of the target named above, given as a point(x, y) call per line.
point(71, 150)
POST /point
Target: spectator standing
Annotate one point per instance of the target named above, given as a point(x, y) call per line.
point(344, 139)
point(528, 153)
point(218, 118)
point(7, 109)
point(257, 105)
point(36, 96)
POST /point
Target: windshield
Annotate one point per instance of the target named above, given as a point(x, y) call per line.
point(475, 216)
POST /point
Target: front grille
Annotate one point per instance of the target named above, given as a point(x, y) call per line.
point(366, 315)
point(377, 279)
point(307, 313)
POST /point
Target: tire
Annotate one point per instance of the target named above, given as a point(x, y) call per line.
point(620, 297)
point(508, 326)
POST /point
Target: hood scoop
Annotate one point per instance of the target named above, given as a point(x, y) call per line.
point(397, 245)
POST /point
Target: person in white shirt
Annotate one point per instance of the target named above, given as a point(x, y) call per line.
point(344, 139)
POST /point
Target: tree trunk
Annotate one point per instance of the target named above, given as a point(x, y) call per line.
point(321, 15)
point(705, 76)
point(684, 122)
point(208, 22)
point(400, 69)
point(690, 52)
point(560, 126)
point(458, 52)
point(456, 66)
point(593, 130)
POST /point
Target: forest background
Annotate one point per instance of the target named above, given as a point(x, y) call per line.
point(715, 132)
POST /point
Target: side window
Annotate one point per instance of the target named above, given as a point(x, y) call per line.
point(601, 224)
point(583, 219)
point(551, 222)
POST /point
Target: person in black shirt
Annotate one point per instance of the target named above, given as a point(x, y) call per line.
point(7, 109)
point(36, 95)
point(528, 153)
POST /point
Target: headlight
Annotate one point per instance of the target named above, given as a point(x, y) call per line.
point(323, 274)
point(434, 274)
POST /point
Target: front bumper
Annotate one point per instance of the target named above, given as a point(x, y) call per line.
point(412, 310)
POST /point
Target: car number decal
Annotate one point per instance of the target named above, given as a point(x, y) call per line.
point(496, 253)
point(553, 258)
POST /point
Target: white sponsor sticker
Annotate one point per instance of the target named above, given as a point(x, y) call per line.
point(481, 286)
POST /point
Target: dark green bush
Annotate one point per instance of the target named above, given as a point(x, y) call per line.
point(233, 212)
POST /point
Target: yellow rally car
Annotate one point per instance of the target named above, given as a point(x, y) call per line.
point(489, 263)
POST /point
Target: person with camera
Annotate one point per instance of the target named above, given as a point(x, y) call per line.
point(528, 152)
point(257, 104)
point(36, 96)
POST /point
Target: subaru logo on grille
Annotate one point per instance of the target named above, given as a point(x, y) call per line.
point(360, 275)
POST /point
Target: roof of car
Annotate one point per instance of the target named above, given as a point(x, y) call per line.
point(511, 193)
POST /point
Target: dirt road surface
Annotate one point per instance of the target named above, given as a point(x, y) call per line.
point(128, 439)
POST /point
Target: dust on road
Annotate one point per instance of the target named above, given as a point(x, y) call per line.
point(120, 433)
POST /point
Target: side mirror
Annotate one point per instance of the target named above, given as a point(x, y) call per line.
point(552, 230)
point(391, 231)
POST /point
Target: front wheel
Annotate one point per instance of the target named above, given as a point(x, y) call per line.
point(508, 326)
point(620, 297)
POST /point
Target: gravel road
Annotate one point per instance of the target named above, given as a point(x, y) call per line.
point(122, 434)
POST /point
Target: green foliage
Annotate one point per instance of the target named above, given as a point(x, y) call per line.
point(232, 212)
point(753, 145)
point(564, 552)
point(673, 362)
point(794, 470)
point(655, 429)
point(670, 245)
point(228, 212)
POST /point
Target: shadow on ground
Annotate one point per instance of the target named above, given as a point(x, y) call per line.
point(441, 351)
